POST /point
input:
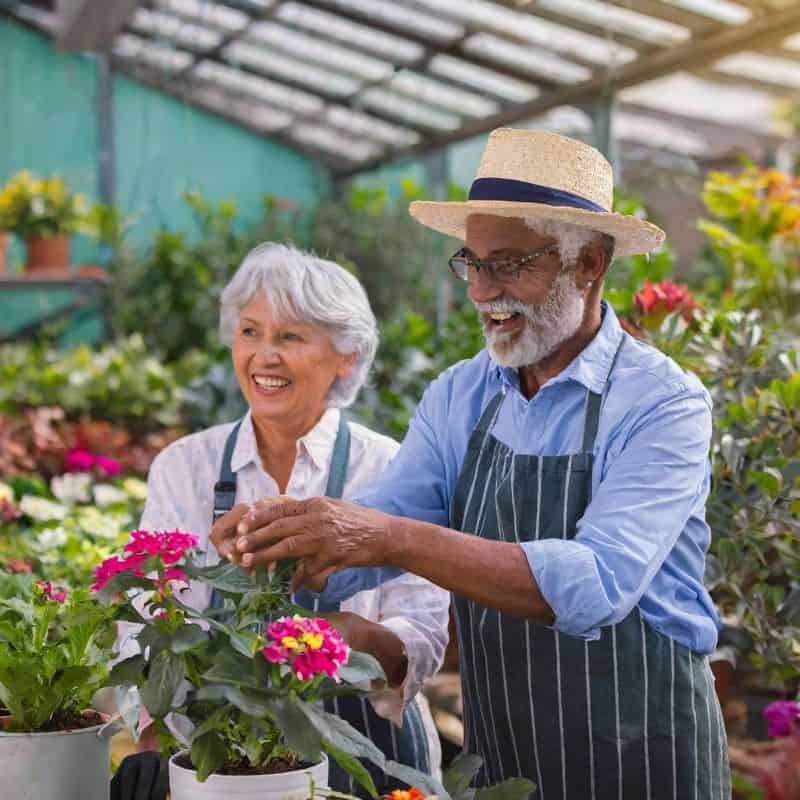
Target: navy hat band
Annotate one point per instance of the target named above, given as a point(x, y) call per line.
point(524, 192)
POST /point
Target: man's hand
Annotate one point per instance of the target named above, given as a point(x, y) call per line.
point(325, 534)
point(223, 532)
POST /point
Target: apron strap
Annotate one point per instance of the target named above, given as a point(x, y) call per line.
point(487, 419)
point(339, 460)
point(225, 487)
point(594, 403)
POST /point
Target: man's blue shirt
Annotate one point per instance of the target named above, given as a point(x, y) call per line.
point(643, 538)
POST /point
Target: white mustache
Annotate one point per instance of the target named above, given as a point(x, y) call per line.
point(509, 306)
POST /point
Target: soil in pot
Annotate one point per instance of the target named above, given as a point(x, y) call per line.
point(244, 767)
point(71, 721)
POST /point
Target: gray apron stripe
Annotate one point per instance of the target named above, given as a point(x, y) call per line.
point(589, 720)
point(672, 719)
point(616, 708)
point(694, 724)
point(481, 627)
point(645, 726)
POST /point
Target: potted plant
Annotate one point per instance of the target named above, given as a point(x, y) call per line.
point(44, 213)
point(242, 696)
point(55, 648)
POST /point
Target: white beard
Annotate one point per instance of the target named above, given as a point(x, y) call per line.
point(547, 324)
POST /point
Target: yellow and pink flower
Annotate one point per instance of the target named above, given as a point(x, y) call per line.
point(309, 645)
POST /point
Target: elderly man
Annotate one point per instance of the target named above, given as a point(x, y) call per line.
point(556, 485)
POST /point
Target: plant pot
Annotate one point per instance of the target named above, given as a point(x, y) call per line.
point(64, 765)
point(48, 255)
point(183, 783)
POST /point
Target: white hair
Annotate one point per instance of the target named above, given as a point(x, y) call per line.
point(305, 288)
point(571, 238)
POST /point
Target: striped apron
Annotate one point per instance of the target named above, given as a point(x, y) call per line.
point(631, 716)
point(407, 745)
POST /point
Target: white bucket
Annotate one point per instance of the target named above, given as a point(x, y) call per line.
point(183, 784)
point(62, 765)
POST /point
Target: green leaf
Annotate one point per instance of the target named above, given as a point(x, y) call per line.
point(121, 583)
point(166, 674)
point(460, 773)
point(233, 669)
point(512, 789)
point(361, 667)
point(127, 672)
point(352, 766)
point(413, 777)
point(188, 637)
point(769, 480)
point(208, 754)
point(298, 730)
point(245, 642)
point(252, 701)
point(225, 576)
point(341, 734)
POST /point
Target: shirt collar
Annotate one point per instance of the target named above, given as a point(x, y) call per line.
point(591, 366)
point(317, 443)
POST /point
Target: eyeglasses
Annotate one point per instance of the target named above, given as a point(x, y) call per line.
point(502, 270)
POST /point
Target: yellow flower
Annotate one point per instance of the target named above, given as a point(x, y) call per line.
point(290, 643)
point(313, 640)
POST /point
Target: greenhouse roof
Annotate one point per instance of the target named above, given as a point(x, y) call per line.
point(360, 83)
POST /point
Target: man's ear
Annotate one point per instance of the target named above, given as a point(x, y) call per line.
point(593, 264)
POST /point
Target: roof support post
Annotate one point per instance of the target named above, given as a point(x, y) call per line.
point(92, 24)
point(437, 173)
point(106, 150)
point(603, 131)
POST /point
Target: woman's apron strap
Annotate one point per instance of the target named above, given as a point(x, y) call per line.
point(225, 487)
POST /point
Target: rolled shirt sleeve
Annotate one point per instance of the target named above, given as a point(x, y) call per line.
point(648, 491)
point(417, 612)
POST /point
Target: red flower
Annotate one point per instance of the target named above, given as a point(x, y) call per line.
point(656, 300)
point(19, 565)
point(782, 717)
point(108, 466)
point(59, 596)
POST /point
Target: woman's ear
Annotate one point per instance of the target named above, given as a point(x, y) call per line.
point(346, 363)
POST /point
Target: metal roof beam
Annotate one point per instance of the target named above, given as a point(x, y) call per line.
point(92, 24)
point(695, 53)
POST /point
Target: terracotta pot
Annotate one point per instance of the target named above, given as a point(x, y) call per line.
point(4, 238)
point(48, 256)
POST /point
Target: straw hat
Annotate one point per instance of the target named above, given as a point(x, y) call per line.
point(525, 173)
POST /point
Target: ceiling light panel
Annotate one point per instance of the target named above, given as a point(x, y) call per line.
point(384, 45)
point(174, 29)
point(204, 12)
point(394, 14)
point(481, 79)
point(781, 71)
point(369, 127)
point(720, 10)
point(235, 80)
point(537, 62)
point(282, 66)
point(544, 33)
point(134, 48)
point(443, 95)
point(334, 142)
point(325, 53)
point(259, 116)
point(615, 19)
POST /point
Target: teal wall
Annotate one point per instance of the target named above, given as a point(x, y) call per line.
point(48, 125)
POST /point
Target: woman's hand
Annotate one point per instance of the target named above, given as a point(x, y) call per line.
point(223, 532)
point(373, 638)
point(325, 534)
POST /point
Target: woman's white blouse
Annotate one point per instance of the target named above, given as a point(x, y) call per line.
point(180, 494)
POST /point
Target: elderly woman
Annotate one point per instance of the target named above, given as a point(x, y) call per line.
point(303, 337)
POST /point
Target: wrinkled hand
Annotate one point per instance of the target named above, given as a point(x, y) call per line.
point(326, 535)
point(223, 532)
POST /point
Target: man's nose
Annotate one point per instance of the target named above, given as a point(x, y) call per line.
point(482, 288)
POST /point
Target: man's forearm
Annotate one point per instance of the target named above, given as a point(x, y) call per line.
point(492, 574)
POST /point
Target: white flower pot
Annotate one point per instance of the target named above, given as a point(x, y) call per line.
point(183, 784)
point(63, 765)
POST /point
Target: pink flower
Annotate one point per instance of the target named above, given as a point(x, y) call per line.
point(309, 645)
point(168, 546)
point(59, 596)
point(79, 460)
point(782, 717)
point(108, 466)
